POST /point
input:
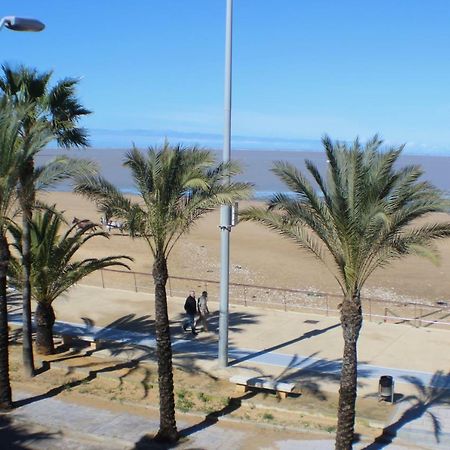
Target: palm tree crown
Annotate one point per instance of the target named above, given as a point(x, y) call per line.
point(57, 105)
point(14, 153)
point(54, 269)
point(177, 186)
point(363, 215)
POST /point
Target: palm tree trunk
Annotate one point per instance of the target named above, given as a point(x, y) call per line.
point(167, 424)
point(44, 318)
point(351, 321)
point(5, 386)
point(27, 201)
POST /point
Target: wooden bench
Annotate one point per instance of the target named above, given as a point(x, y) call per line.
point(243, 383)
point(69, 339)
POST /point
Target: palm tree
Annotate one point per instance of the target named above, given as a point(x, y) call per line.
point(362, 218)
point(176, 186)
point(53, 270)
point(14, 152)
point(58, 107)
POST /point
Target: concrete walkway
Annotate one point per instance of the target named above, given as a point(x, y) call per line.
point(55, 424)
point(267, 357)
point(263, 341)
point(279, 345)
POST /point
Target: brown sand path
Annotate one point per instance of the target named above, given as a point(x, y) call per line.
point(261, 257)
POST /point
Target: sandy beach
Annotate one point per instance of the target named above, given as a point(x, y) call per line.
point(260, 257)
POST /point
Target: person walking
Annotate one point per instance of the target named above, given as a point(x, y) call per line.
point(191, 309)
point(203, 311)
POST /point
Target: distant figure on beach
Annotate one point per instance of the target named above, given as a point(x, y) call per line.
point(84, 223)
point(203, 311)
point(110, 224)
point(190, 306)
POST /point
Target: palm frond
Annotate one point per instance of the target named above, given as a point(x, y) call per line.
point(53, 268)
point(366, 211)
point(177, 185)
point(63, 168)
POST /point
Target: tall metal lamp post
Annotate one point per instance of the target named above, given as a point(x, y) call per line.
point(21, 24)
point(225, 211)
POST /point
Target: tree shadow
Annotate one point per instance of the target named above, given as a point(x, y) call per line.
point(131, 365)
point(125, 344)
point(14, 301)
point(148, 442)
point(189, 351)
point(434, 394)
point(15, 436)
point(122, 332)
point(131, 322)
point(237, 322)
point(309, 372)
point(213, 417)
point(304, 336)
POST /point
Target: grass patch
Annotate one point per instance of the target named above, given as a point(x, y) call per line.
point(203, 397)
point(184, 402)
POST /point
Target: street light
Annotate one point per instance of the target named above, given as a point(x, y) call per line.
point(21, 24)
point(225, 210)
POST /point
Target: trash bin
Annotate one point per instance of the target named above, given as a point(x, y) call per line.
point(386, 388)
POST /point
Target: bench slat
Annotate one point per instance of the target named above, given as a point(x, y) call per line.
point(262, 383)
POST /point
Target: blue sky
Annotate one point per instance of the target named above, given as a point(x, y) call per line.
point(155, 68)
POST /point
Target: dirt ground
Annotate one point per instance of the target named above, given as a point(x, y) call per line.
point(261, 257)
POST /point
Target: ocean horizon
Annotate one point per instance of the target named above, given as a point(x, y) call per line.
point(255, 164)
point(118, 139)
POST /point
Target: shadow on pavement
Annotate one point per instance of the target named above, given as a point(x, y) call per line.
point(131, 322)
point(307, 335)
point(147, 442)
point(126, 346)
point(213, 417)
point(188, 350)
point(308, 373)
point(14, 302)
point(237, 322)
point(131, 365)
point(14, 436)
point(438, 393)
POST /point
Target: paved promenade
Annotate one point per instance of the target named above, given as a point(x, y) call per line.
point(280, 345)
point(274, 343)
point(55, 424)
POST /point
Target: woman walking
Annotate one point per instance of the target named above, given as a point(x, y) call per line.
point(203, 311)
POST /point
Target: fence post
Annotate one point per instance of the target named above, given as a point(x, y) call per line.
point(326, 298)
point(245, 296)
point(420, 317)
point(416, 323)
point(385, 314)
point(370, 310)
point(284, 301)
point(135, 283)
point(103, 281)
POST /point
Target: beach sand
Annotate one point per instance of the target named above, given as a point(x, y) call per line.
point(260, 257)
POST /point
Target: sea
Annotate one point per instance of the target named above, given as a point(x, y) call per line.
point(256, 166)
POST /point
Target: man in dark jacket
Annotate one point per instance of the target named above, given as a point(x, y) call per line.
point(190, 306)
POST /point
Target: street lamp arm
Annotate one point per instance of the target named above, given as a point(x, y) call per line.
point(21, 24)
point(2, 22)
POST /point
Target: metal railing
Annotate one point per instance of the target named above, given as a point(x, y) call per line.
point(417, 314)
